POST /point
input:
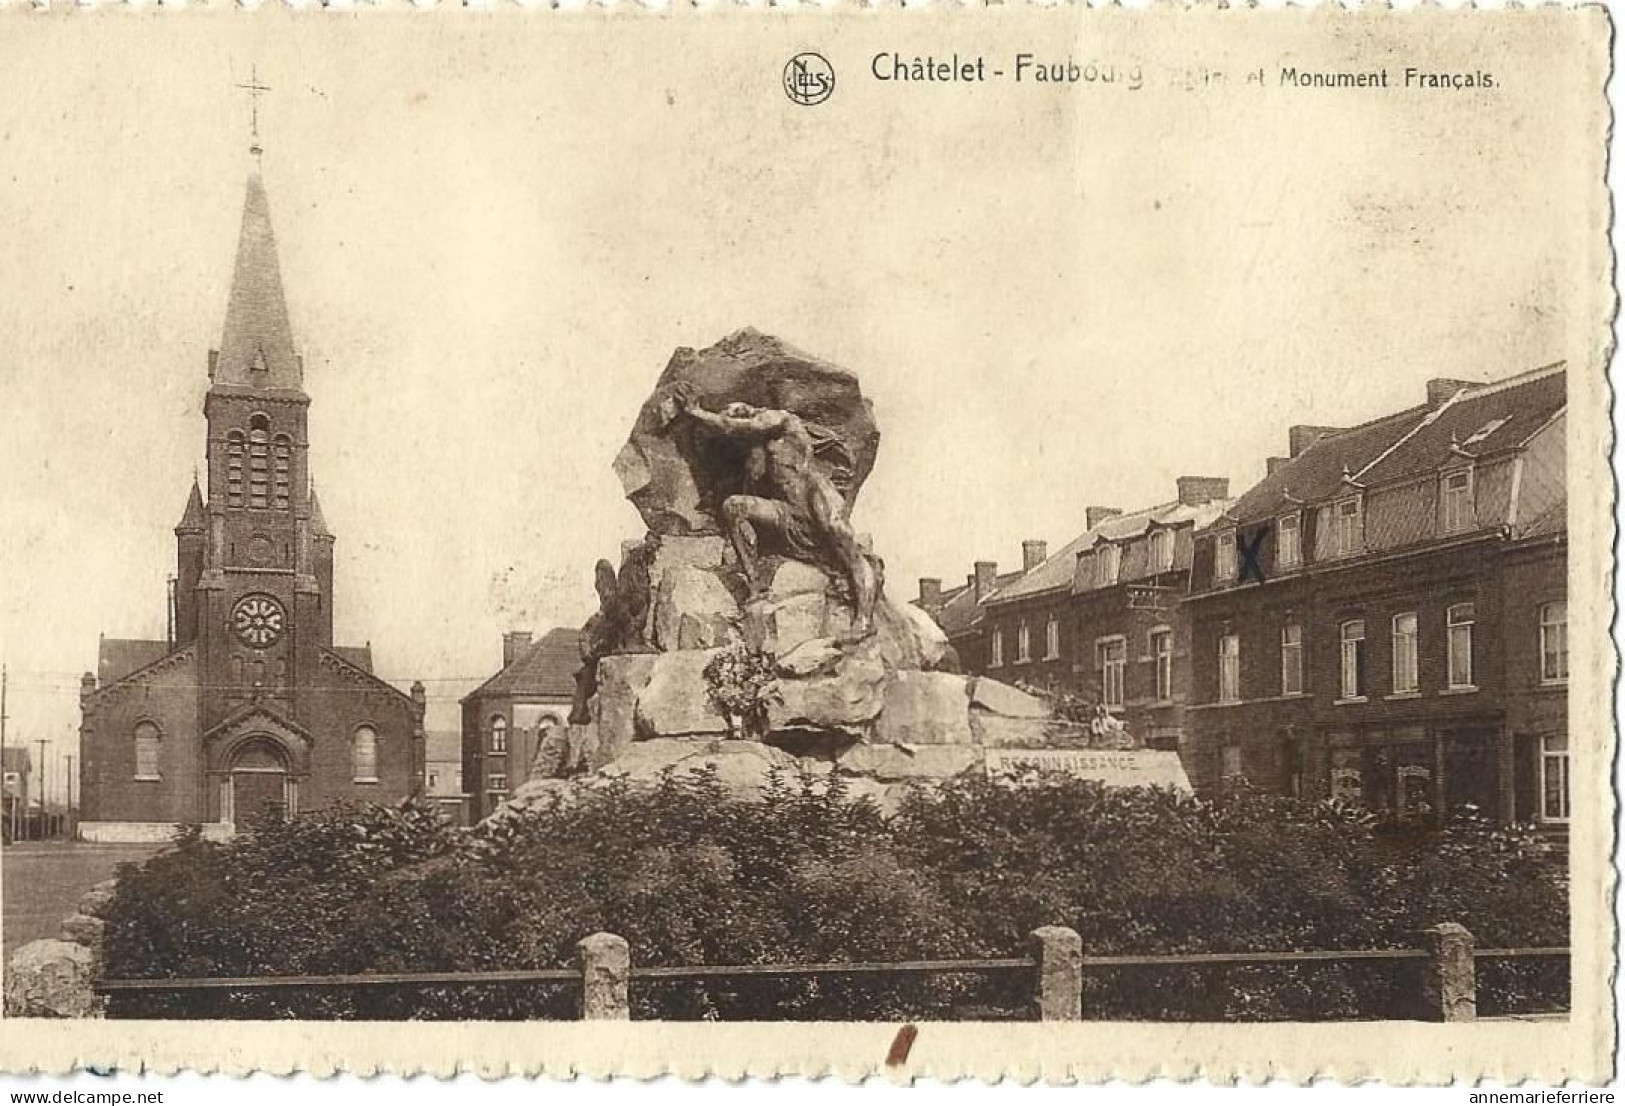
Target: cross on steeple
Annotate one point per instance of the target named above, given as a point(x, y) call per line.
point(255, 90)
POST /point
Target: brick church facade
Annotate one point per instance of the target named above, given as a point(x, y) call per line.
point(248, 704)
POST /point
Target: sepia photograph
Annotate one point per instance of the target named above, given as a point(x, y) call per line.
point(845, 535)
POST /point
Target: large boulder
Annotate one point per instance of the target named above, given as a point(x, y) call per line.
point(925, 708)
point(844, 700)
point(678, 477)
point(52, 979)
point(621, 680)
point(674, 702)
point(693, 609)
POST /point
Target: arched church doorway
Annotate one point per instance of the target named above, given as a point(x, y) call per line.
point(257, 781)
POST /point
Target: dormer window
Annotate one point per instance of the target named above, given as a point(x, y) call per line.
point(1288, 541)
point(1224, 555)
point(1162, 551)
point(1107, 562)
point(1456, 501)
point(1347, 527)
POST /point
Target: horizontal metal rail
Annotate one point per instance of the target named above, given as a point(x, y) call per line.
point(703, 972)
point(903, 967)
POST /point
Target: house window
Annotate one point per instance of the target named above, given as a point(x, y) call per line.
point(1224, 555)
point(147, 743)
point(1024, 644)
point(1554, 778)
point(1554, 642)
point(1292, 659)
point(1052, 639)
point(498, 782)
point(499, 734)
point(1230, 767)
point(1352, 635)
point(1162, 551)
point(1288, 542)
point(1346, 527)
point(1456, 501)
point(1405, 677)
point(1111, 656)
point(364, 753)
point(995, 650)
point(1162, 656)
point(1229, 668)
point(1107, 560)
point(1459, 642)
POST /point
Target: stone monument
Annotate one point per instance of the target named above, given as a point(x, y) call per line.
point(750, 628)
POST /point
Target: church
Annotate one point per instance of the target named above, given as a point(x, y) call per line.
point(247, 705)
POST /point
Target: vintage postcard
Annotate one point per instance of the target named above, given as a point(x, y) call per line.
point(1023, 542)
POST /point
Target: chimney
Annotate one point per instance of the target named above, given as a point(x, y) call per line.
point(1196, 491)
point(930, 594)
point(514, 642)
point(1273, 463)
point(1300, 438)
point(1033, 553)
point(1094, 516)
point(987, 575)
point(1441, 388)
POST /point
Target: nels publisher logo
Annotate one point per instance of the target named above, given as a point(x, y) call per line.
point(809, 79)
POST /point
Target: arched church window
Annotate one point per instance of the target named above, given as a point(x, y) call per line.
point(234, 468)
point(364, 751)
point(281, 477)
point(259, 462)
point(147, 742)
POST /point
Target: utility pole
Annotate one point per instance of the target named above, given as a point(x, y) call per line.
point(44, 815)
point(67, 817)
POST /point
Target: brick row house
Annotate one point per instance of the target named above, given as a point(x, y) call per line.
point(1383, 618)
point(505, 717)
point(1099, 619)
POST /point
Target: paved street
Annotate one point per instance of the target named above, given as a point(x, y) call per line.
point(43, 880)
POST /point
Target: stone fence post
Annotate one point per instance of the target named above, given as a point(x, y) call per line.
point(606, 971)
point(1059, 952)
point(1450, 979)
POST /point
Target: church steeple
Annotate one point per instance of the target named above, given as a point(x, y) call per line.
point(256, 347)
point(192, 519)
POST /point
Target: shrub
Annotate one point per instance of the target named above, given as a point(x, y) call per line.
point(810, 874)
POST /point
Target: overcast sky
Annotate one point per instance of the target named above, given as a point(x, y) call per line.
point(494, 233)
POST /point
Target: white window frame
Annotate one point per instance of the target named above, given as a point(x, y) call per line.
point(1456, 512)
point(995, 650)
point(1348, 527)
point(1229, 668)
point(1161, 642)
point(1554, 627)
point(1405, 646)
point(1554, 759)
point(1292, 649)
point(497, 783)
point(1113, 671)
point(1281, 545)
point(1052, 639)
point(1224, 555)
point(497, 734)
point(1162, 551)
point(1351, 645)
point(1459, 621)
point(1024, 643)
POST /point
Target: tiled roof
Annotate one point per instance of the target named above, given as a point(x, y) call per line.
point(1554, 520)
point(358, 655)
point(1317, 473)
point(547, 667)
point(256, 345)
point(960, 611)
point(1484, 420)
point(118, 657)
point(1059, 570)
